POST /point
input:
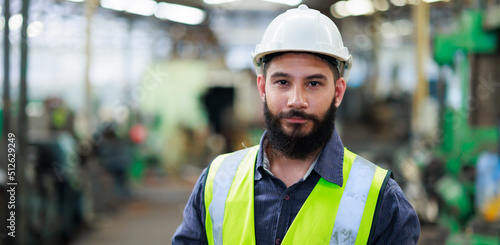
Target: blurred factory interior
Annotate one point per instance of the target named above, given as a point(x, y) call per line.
point(117, 105)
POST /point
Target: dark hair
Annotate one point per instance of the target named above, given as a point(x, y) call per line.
point(332, 62)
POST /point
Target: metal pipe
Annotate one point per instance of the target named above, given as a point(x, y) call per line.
point(23, 94)
point(421, 20)
point(6, 73)
point(90, 9)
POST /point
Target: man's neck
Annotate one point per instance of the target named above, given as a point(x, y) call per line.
point(290, 171)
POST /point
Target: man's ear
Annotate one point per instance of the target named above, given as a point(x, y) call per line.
point(261, 85)
point(340, 87)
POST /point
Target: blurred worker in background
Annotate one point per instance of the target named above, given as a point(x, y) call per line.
point(299, 185)
point(115, 155)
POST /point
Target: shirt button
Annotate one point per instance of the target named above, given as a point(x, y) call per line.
point(278, 241)
point(286, 197)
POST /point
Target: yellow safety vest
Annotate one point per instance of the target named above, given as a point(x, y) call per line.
point(330, 215)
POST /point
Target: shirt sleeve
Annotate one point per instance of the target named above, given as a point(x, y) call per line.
point(192, 229)
point(397, 221)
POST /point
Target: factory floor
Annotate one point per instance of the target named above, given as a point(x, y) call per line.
point(150, 217)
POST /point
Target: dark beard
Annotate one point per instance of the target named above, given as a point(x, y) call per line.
point(298, 145)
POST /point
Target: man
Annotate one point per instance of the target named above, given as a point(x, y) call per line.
point(299, 185)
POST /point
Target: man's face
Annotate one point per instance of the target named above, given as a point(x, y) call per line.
point(300, 96)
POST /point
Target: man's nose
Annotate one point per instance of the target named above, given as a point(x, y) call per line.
point(297, 99)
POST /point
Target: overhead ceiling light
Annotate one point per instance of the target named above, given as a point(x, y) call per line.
point(15, 22)
point(341, 8)
point(398, 3)
point(76, 1)
point(118, 5)
point(359, 7)
point(180, 13)
point(286, 2)
point(142, 7)
point(334, 12)
point(218, 1)
point(35, 29)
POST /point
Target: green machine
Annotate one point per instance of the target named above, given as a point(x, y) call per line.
point(462, 142)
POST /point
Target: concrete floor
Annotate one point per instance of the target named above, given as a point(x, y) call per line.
point(150, 218)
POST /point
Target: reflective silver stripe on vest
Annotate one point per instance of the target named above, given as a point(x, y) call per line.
point(222, 183)
point(353, 202)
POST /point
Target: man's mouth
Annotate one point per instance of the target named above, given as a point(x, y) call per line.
point(296, 120)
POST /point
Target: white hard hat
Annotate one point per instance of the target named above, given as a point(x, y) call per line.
point(303, 30)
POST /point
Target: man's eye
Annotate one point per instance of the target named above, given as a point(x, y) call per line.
point(314, 84)
point(282, 82)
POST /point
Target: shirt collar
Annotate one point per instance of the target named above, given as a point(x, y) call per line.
point(267, 165)
point(328, 165)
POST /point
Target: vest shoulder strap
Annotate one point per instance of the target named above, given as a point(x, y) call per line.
point(225, 174)
point(359, 201)
point(348, 210)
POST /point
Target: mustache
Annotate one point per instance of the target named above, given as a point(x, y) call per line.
point(297, 113)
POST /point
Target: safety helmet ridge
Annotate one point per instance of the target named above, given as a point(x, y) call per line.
point(303, 30)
